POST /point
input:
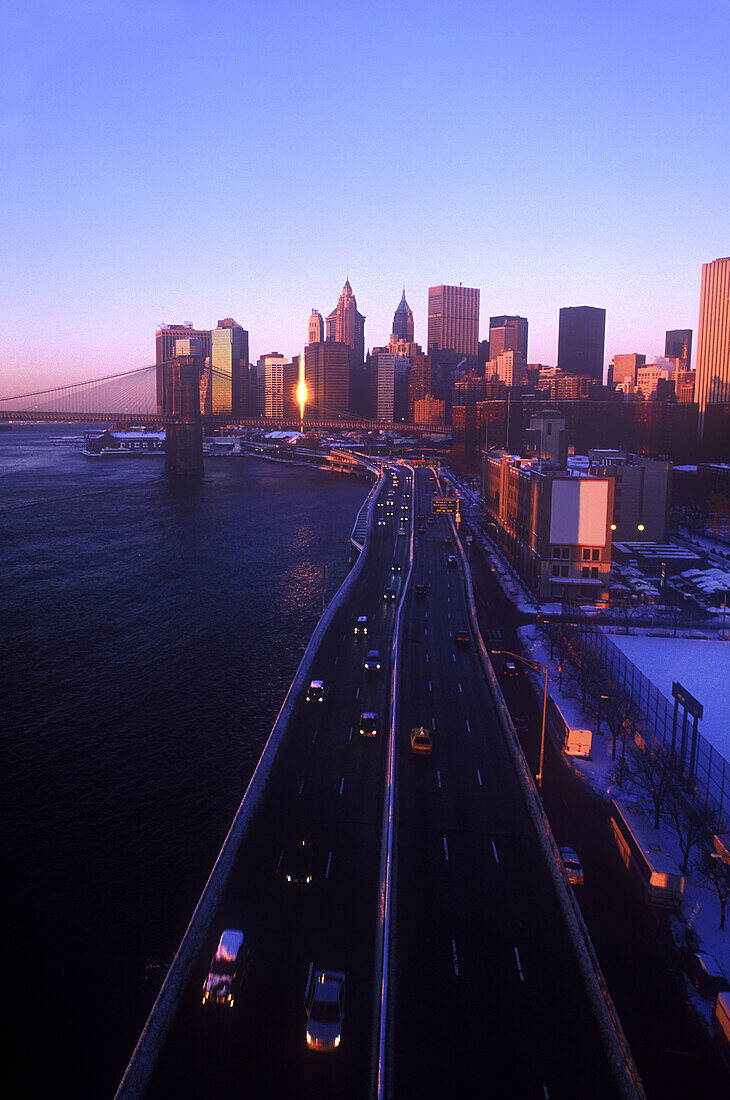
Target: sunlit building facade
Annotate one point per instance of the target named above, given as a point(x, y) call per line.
point(227, 389)
point(712, 376)
point(453, 321)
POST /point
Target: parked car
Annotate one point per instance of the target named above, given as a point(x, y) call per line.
point(227, 968)
point(705, 973)
point(325, 1010)
point(573, 867)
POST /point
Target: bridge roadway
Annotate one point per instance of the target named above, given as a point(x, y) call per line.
point(485, 993)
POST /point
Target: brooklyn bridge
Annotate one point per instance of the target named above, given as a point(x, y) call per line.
point(168, 396)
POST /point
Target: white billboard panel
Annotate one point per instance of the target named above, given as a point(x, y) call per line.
point(579, 512)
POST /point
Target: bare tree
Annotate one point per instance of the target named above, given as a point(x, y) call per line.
point(686, 822)
point(711, 871)
point(618, 720)
point(648, 771)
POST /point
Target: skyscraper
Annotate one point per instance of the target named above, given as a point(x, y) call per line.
point(227, 390)
point(381, 369)
point(327, 375)
point(346, 326)
point(165, 339)
point(678, 345)
point(581, 338)
point(403, 320)
point(316, 328)
point(507, 334)
point(713, 340)
point(453, 321)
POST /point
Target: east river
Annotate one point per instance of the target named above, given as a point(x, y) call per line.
point(149, 634)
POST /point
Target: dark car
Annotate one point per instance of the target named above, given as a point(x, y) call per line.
point(462, 637)
point(509, 668)
point(395, 567)
point(447, 539)
point(316, 692)
point(368, 724)
point(422, 530)
point(388, 593)
point(451, 561)
point(421, 590)
point(297, 864)
point(360, 628)
point(372, 661)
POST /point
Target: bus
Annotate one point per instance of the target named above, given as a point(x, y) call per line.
point(644, 854)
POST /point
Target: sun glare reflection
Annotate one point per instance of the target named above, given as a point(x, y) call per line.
point(301, 388)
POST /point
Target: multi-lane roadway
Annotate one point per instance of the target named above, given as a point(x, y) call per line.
point(482, 992)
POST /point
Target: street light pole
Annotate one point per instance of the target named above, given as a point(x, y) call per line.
point(535, 666)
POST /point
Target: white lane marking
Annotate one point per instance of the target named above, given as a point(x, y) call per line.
point(314, 738)
point(350, 737)
point(494, 849)
point(519, 965)
point(300, 786)
point(479, 777)
point(448, 614)
point(453, 657)
point(329, 860)
point(455, 957)
point(427, 658)
point(425, 633)
point(433, 722)
point(446, 849)
point(461, 689)
point(430, 688)
point(342, 783)
point(468, 727)
point(344, 636)
point(438, 778)
point(545, 1092)
point(336, 659)
point(278, 866)
point(309, 980)
point(357, 693)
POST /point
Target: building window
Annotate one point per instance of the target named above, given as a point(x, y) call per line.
point(594, 572)
point(596, 555)
point(556, 570)
point(556, 551)
point(563, 570)
point(566, 553)
point(586, 554)
point(586, 570)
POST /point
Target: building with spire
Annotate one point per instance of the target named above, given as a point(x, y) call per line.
point(403, 320)
point(345, 325)
point(316, 328)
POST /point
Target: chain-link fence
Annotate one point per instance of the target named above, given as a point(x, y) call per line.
point(705, 771)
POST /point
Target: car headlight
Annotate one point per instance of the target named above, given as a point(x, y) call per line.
point(337, 1040)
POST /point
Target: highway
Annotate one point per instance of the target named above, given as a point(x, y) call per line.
point(485, 997)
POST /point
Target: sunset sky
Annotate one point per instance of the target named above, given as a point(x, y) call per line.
point(170, 161)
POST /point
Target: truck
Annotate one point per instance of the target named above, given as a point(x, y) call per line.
point(645, 855)
point(573, 740)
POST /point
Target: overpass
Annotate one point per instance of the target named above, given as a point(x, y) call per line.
point(437, 886)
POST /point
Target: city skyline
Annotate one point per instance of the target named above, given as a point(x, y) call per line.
point(141, 191)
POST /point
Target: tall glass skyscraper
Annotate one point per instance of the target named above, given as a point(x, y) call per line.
point(581, 340)
point(228, 369)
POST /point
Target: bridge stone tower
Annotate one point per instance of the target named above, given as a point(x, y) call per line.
point(181, 400)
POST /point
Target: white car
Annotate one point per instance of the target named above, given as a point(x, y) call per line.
point(325, 1009)
point(227, 968)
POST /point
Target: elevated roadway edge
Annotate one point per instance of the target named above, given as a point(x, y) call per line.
point(137, 1075)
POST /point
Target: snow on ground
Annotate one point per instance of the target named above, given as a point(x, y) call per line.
point(702, 666)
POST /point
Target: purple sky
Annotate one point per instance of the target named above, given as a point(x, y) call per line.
point(168, 161)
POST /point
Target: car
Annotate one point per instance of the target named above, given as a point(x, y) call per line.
point(572, 864)
point(462, 637)
point(705, 973)
point(297, 863)
point(360, 628)
point(325, 1007)
point(395, 567)
point(447, 540)
point(388, 593)
point(381, 523)
point(451, 561)
point(316, 692)
point(368, 724)
point(227, 968)
point(422, 530)
point(509, 668)
point(372, 661)
point(421, 590)
point(431, 519)
point(421, 740)
point(401, 530)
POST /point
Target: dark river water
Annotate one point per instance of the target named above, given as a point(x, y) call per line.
point(149, 632)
